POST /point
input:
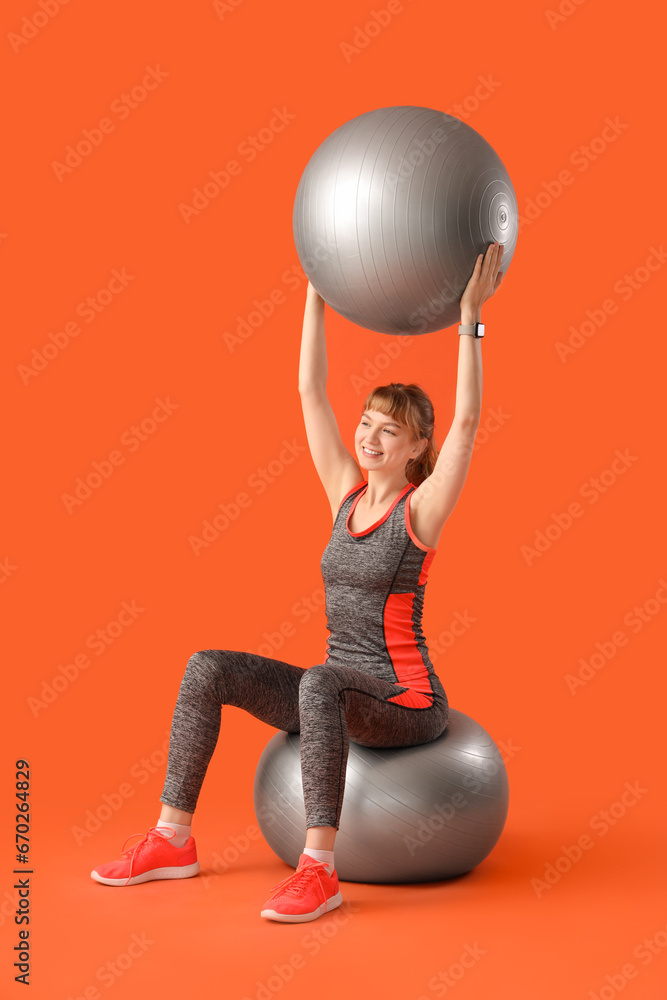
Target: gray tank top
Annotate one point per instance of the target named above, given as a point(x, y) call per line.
point(374, 583)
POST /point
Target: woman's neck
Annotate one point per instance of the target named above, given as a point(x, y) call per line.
point(380, 492)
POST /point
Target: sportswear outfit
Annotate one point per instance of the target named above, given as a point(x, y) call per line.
point(376, 685)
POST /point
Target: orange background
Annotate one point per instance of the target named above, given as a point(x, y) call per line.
point(65, 575)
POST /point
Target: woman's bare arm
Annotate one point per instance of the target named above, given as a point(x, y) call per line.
point(313, 368)
point(437, 495)
point(335, 466)
point(485, 280)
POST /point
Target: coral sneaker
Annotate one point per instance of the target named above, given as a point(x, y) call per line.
point(305, 894)
point(152, 857)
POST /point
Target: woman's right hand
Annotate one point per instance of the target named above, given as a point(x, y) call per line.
point(311, 291)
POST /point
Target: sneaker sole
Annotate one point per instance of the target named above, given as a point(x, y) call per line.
point(297, 918)
point(185, 871)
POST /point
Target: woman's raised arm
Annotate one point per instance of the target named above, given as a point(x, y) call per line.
point(435, 498)
point(313, 358)
point(484, 281)
point(335, 466)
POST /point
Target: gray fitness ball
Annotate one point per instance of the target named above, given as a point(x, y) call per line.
point(391, 212)
point(411, 814)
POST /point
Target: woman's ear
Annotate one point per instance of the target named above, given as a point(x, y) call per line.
point(424, 448)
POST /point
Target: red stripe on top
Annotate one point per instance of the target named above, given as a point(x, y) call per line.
point(381, 520)
point(402, 646)
point(430, 551)
point(362, 482)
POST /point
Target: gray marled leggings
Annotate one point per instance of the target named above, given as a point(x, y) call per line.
point(326, 704)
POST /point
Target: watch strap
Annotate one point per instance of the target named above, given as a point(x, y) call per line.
point(471, 329)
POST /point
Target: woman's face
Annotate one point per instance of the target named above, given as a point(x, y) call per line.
point(382, 443)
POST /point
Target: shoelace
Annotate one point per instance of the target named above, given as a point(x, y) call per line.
point(153, 832)
point(298, 880)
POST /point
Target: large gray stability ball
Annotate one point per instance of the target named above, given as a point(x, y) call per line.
point(391, 212)
point(410, 814)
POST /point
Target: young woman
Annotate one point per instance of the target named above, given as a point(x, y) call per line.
point(377, 685)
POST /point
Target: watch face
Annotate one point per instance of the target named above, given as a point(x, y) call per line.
point(479, 329)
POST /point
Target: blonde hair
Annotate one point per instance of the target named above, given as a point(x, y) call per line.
point(409, 405)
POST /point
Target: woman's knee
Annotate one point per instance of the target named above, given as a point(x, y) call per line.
point(319, 680)
point(206, 667)
point(203, 662)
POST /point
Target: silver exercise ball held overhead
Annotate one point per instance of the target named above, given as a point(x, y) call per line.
point(391, 212)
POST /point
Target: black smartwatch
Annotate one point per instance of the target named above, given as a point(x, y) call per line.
point(472, 329)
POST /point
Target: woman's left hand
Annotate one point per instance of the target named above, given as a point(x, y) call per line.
point(485, 280)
